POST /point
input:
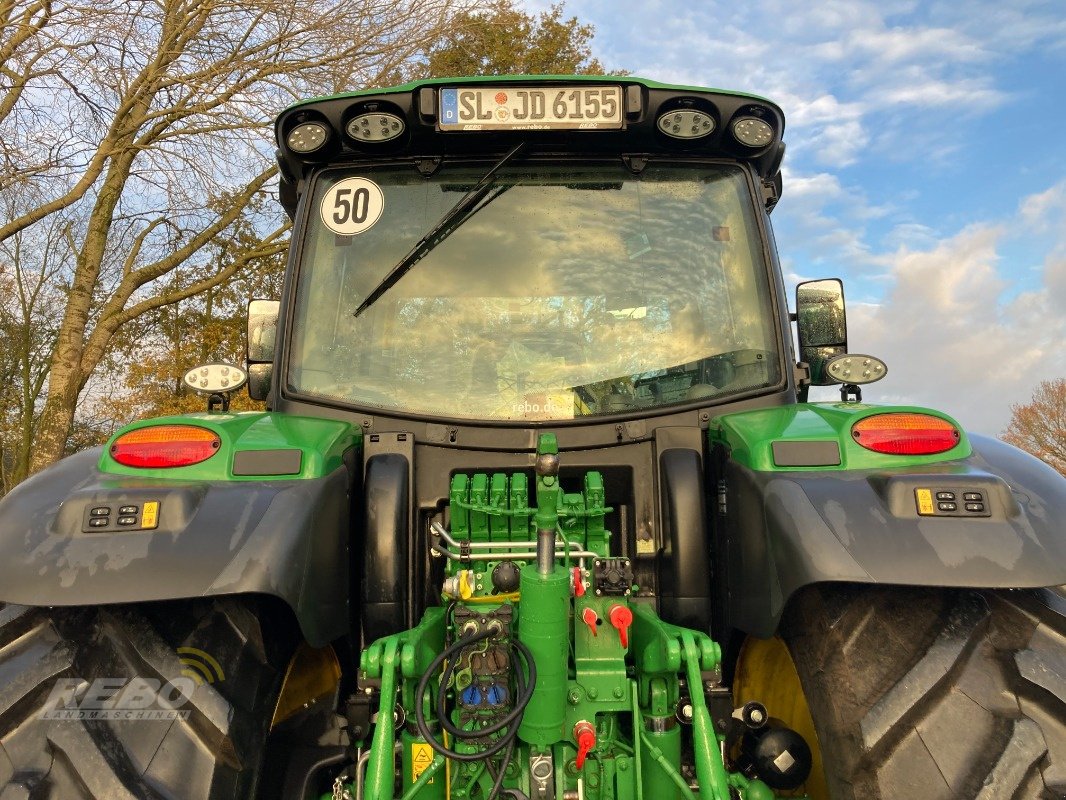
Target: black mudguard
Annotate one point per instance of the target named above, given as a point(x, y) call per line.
point(781, 531)
point(286, 538)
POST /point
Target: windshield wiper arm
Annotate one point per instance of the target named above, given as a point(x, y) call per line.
point(452, 219)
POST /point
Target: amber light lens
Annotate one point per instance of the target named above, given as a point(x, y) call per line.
point(163, 446)
point(905, 434)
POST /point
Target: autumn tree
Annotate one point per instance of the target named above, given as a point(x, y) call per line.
point(148, 121)
point(1039, 426)
point(499, 38)
point(153, 352)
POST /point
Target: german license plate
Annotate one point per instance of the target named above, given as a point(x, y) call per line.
point(531, 108)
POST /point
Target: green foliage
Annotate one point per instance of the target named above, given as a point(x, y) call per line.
point(501, 39)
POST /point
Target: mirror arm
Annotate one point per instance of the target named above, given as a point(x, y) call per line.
point(218, 401)
point(801, 373)
point(850, 392)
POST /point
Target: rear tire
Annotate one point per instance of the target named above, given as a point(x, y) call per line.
point(213, 754)
point(931, 693)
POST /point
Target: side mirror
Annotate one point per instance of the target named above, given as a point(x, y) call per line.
point(262, 330)
point(821, 326)
point(260, 377)
point(262, 335)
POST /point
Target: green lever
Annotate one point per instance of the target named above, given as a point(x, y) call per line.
point(381, 766)
point(710, 769)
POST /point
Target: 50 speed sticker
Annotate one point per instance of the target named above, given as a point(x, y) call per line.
point(352, 206)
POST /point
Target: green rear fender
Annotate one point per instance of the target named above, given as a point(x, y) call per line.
point(800, 502)
point(268, 513)
point(255, 445)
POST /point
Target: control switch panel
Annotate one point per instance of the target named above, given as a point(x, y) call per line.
point(951, 501)
point(115, 517)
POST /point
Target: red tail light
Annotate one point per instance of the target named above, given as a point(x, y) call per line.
point(905, 434)
point(162, 446)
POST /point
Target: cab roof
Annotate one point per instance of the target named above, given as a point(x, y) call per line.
point(416, 130)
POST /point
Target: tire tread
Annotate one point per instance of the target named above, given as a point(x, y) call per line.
point(948, 693)
point(213, 754)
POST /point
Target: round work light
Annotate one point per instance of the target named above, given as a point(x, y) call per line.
point(375, 127)
point(752, 132)
point(686, 124)
point(307, 138)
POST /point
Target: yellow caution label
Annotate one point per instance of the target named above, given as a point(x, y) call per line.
point(150, 514)
point(421, 758)
point(925, 500)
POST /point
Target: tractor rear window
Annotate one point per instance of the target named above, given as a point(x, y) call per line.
point(564, 292)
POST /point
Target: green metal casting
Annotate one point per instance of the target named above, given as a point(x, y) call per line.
point(605, 663)
point(543, 625)
point(496, 508)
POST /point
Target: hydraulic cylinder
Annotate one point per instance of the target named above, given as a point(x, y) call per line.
point(544, 627)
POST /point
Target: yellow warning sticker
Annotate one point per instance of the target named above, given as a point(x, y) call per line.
point(150, 514)
point(421, 758)
point(925, 500)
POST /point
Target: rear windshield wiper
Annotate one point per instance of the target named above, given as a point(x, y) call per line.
point(452, 219)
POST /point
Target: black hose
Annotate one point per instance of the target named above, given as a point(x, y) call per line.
point(514, 794)
point(523, 696)
point(497, 782)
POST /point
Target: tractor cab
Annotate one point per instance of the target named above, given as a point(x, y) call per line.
point(532, 250)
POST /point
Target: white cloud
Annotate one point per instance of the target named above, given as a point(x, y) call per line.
point(908, 235)
point(967, 96)
point(969, 318)
point(1044, 209)
point(825, 221)
point(895, 45)
point(843, 70)
point(829, 131)
point(954, 337)
point(819, 188)
point(1006, 27)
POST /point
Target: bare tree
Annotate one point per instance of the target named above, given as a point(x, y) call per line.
point(32, 265)
point(1040, 426)
point(149, 119)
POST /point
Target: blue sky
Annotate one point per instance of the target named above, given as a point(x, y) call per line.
point(926, 166)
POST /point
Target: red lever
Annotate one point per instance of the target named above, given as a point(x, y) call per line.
point(579, 583)
point(585, 736)
point(588, 616)
point(621, 617)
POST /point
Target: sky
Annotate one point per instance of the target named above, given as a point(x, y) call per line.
point(926, 166)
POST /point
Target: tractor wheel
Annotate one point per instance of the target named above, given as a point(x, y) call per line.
point(934, 693)
point(208, 660)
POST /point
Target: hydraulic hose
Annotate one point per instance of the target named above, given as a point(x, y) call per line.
point(525, 691)
point(513, 718)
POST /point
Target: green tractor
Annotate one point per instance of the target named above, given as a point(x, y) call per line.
point(540, 509)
